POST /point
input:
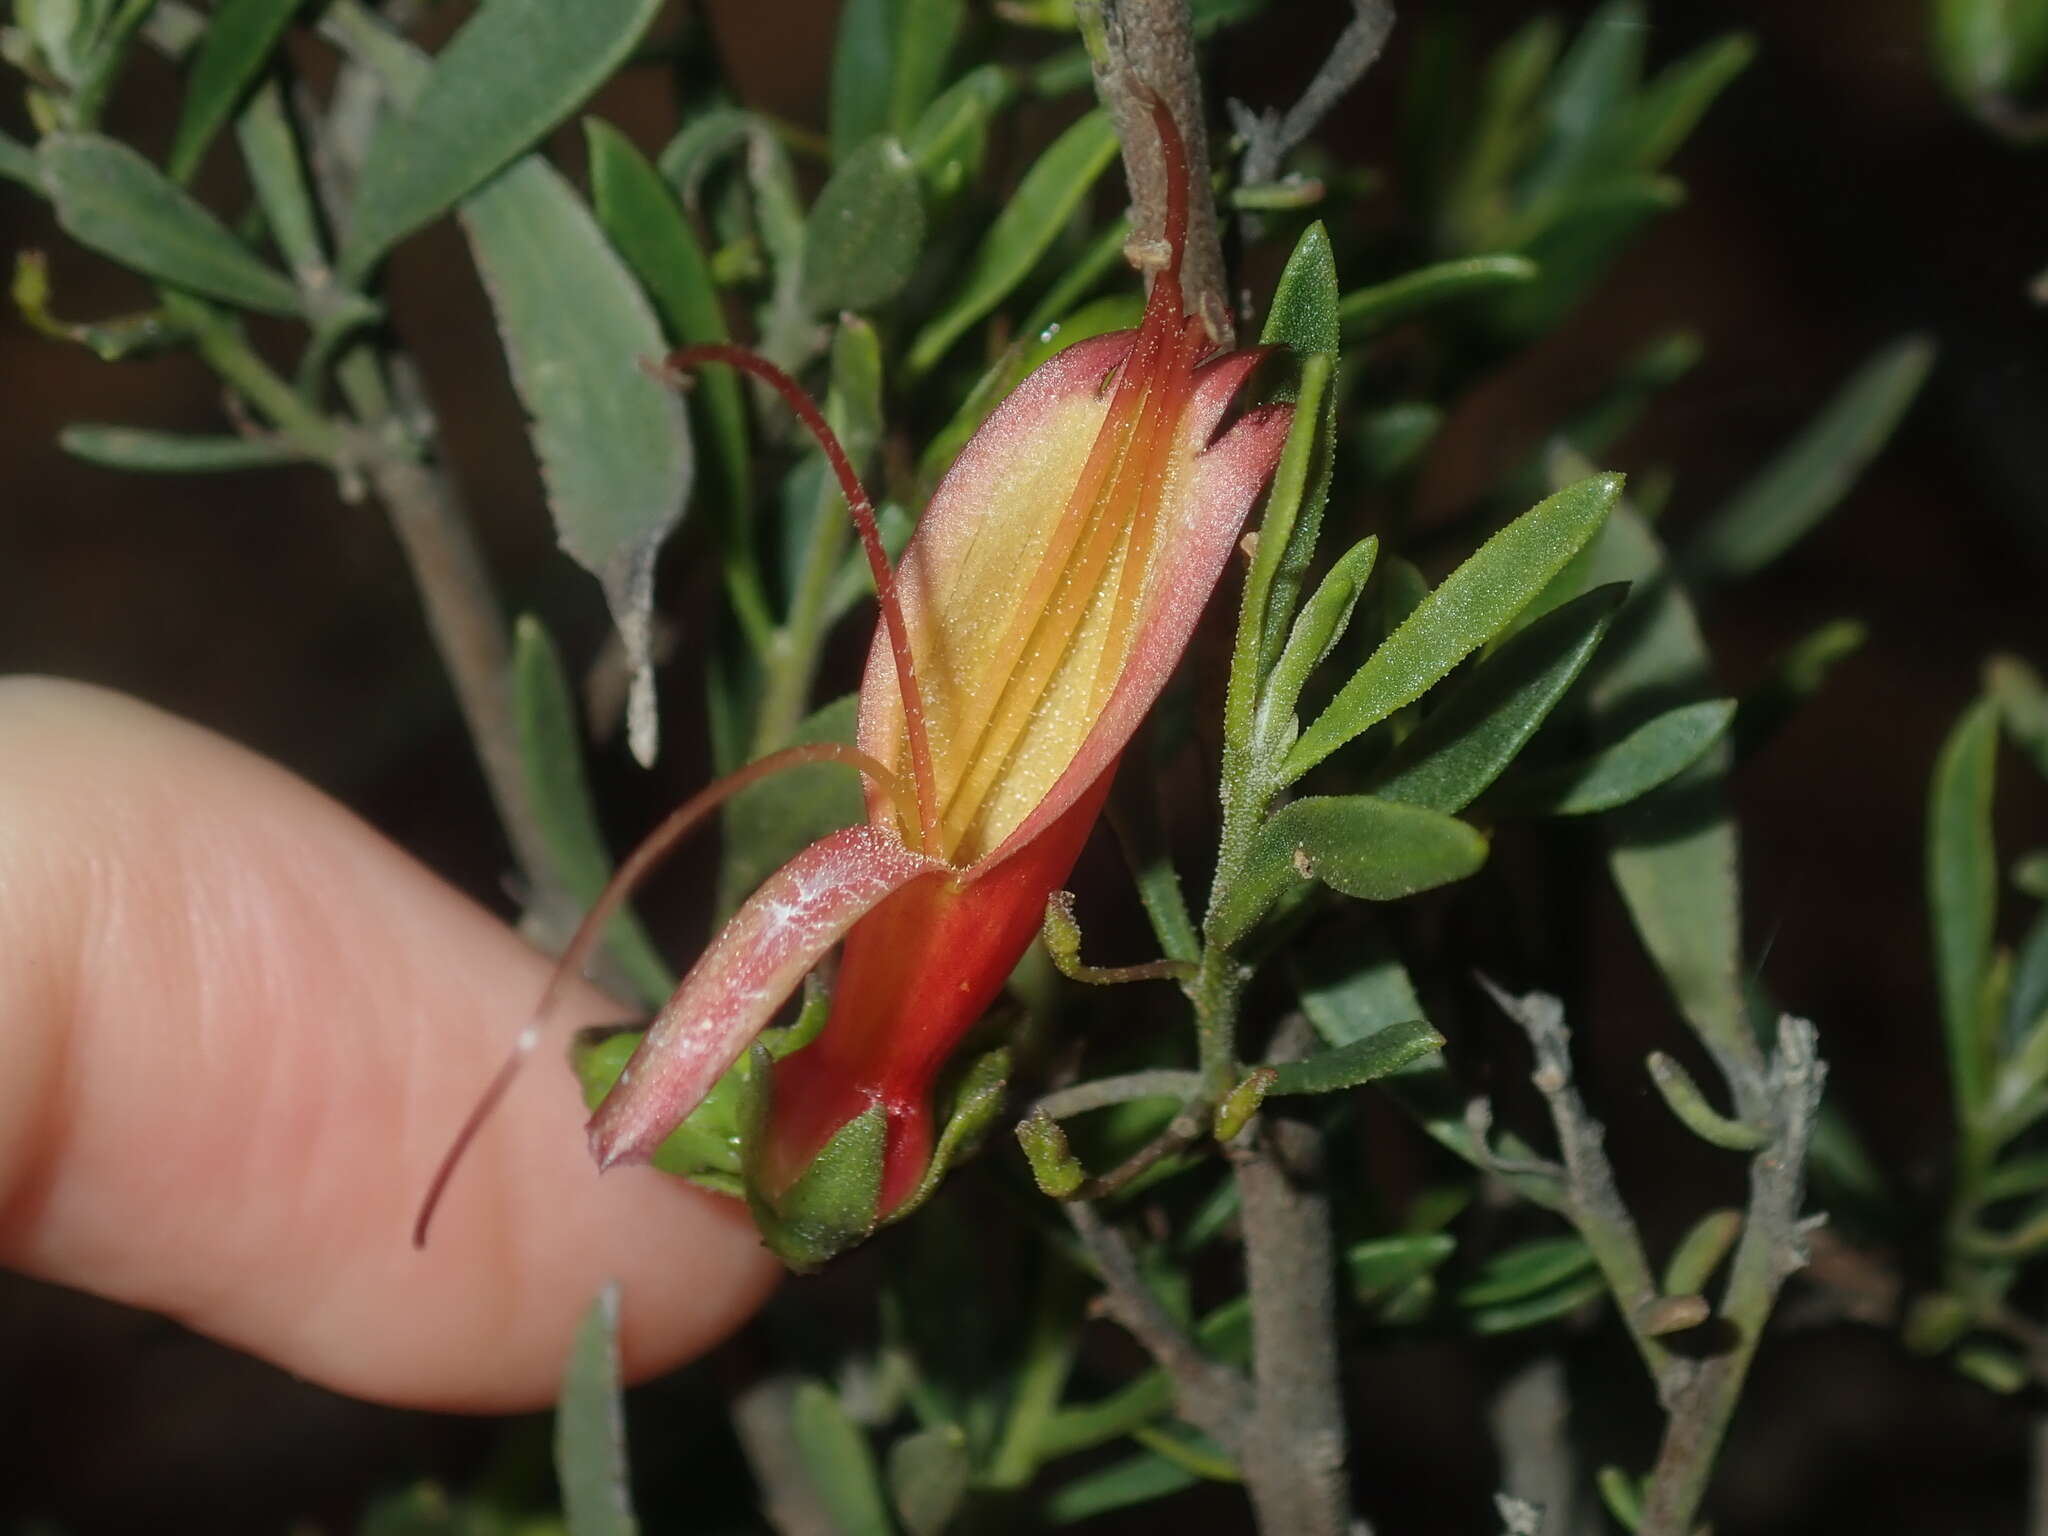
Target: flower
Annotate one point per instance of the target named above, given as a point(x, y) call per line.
point(1045, 598)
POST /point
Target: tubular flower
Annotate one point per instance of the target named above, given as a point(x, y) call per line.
point(1046, 596)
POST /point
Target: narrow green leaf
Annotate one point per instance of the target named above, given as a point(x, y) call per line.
point(2023, 703)
point(926, 31)
point(1306, 315)
point(1136, 1480)
point(948, 138)
point(1473, 604)
point(1594, 84)
point(836, 1457)
point(1317, 628)
point(174, 453)
point(928, 1472)
point(642, 219)
point(1700, 1252)
point(1525, 1269)
point(1573, 244)
point(1682, 1096)
point(1652, 754)
point(1622, 1495)
point(1986, 49)
point(277, 170)
point(1799, 487)
point(863, 71)
point(1351, 993)
point(1385, 1051)
point(1670, 107)
point(109, 198)
point(1793, 679)
point(1462, 746)
point(1962, 895)
point(1383, 1265)
point(1366, 310)
point(551, 753)
point(590, 1429)
point(613, 443)
point(237, 45)
point(1392, 439)
point(865, 231)
point(2026, 1001)
point(514, 70)
point(1543, 1307)
point(1367, 848)
point(1049, 193)
point(18, 163)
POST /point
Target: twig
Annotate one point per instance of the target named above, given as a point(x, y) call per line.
point(1538, 1469)
point(1270, 135)
point(1293, 1454)
point(1593, 1202)
point(1212, 1397)
point(1773, 1247)
point(1102, 1092)
point(1148, 47)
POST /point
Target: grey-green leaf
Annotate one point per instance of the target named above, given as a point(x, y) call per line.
point(515, 70)
point(640, 215)
point(1049, 193)
point(1653, 753)
point(1962, 894)
point(925, 33)
point(928, 1472)
point(551, 753)
point(1473, 604)
point(863, 235)
point(109, 198)
point(1372, 849)
point(863, 70)
point(1465, 743)
point(590, 1429)
point(1366, 310)
point(613, 443)
point(148, 452)
point(836, 1457)
point(238, 43)
point(1799, 487)
point(1385, 1051)
point(18, 163)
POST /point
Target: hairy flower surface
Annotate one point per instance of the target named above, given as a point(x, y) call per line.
point(1047, 595)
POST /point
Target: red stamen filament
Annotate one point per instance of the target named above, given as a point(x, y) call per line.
point(862, 509)
point(655, 847)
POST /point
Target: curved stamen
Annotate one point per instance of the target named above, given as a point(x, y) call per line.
point(862, 509)
point(655, 847)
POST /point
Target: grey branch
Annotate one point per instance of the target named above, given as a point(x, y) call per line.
point(1148, 47)
point(1270, 135)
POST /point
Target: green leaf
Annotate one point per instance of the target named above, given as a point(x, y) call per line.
point(1385, 1051)
point(18, 163)
point(1652, 754)
point(1962, 895)
point(863, 72)
point(111, 199)
point(1574, 244)
point(1306, 315)
point(1700, 1252)
point(590, 1428)
point(1683, 1097)
point(1317, 628)
point(551, 756)
point(514, 70)
point(948, 138)
point(1367, 310)
point(1352, 992)
point(1986, 49)
point(1543, 1307)
point(1136, 1480)
point(277, 170)
point(705, 1147)
point(926, 31)
point(642, 219)
point(1383, 1265)
point(1526, 1269)
point(928, 1472)
point(1473, 604)
point(1589, 96)
point(1392, 439)
point(865, 231)
point(840, 1466)
point(1799, 487)
point(1794, 678)
point(1371, 849)
point(237, 44)
point(1461, 746)
point(1670, 107)
point(173, 453)
point(1047, 196)
point(613, 444)
point(2026, 1001)
point(2023, 704)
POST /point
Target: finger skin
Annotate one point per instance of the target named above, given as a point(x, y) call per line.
point(240, 1028)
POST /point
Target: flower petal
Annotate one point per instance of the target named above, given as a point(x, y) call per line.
point(751, 967)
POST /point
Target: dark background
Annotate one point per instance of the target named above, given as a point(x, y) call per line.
point(1836, 200)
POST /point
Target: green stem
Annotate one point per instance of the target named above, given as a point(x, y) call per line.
point(1047, 1361)
point(226, 350)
